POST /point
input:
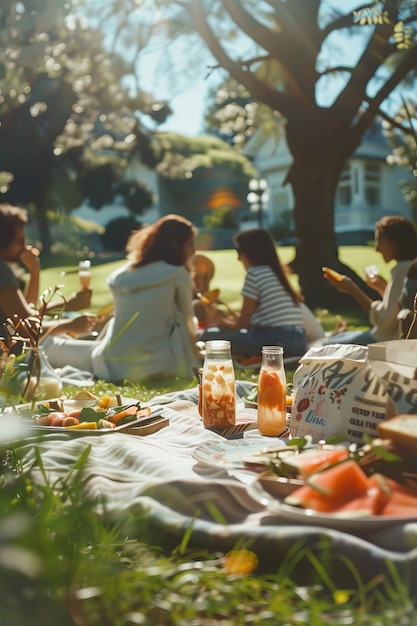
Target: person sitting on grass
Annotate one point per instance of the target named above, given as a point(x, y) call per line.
point(395, 240)
point(271, 313)
point(151, 334)
point(13, 302)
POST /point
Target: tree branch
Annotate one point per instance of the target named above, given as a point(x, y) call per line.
point(273, 98)
point(407, 64)
point(404, 129)
point(337, 68)
point(297, 23)
point(269, 40)
point(345, 21)
point(375, 54)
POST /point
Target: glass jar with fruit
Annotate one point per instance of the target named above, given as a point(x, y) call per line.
point(218, 392)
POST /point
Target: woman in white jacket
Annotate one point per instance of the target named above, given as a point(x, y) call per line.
point(152, 332)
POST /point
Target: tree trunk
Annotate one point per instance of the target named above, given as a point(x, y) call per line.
point(314, 177)
point(314, 189)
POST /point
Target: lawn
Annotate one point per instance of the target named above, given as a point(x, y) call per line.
point(52, 543)
point(228, 278)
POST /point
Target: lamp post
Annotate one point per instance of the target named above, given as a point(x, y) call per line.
point(258, 197)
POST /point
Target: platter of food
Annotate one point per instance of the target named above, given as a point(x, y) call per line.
point(351, 488)
point(87, 414)
point(354, 521)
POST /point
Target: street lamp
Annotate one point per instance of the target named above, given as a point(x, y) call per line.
point(258, 197)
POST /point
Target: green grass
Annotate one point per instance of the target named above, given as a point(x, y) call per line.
point(54, 550)
point(228, 278)
point(55, 553)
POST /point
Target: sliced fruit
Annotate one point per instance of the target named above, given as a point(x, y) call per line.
point(117, 417)
point(271, 393)
point(332, 273)
point(308, 498)
point(397, 510)
point(370, 503)
point(84, 426)
point(210, 297)
point(346, 478)
point(316, 460)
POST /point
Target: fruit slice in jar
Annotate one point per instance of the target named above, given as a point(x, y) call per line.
point(271, 392)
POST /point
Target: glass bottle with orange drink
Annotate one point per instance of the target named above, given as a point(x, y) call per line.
point(272, 399)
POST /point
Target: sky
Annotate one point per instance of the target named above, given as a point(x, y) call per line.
point(188, 96)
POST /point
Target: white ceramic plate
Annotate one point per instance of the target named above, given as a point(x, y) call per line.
point(298, 515)
point(231, 454)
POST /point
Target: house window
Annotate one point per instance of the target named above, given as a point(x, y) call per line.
point(344, 191)
point(372, 184)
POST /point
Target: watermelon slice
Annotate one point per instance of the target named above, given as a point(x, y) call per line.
point(308, 498)
point(315, 460)
point(346, 479)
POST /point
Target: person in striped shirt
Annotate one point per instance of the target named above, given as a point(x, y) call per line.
point(271, 313)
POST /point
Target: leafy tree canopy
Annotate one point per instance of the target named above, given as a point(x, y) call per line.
point(63, 104)
point(179, 156)
point(328, 70)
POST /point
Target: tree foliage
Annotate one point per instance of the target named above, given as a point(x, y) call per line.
point(64, 112)
point(286, 53)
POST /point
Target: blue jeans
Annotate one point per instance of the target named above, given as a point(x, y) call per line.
point(360, 337)
point(249, 342)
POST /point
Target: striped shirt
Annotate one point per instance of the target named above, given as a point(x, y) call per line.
point(275, 305)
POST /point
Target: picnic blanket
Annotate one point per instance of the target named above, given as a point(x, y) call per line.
point(158, 474)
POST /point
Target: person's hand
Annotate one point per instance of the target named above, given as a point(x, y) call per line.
point(80, 325)
point(30, 259)
point(342, 283)
point(79, 300)
point(377, 282)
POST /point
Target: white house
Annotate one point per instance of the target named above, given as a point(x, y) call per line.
point(367, 190)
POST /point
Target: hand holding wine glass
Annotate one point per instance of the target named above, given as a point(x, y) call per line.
point(84, 274)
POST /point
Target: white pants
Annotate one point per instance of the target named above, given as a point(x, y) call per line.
point(64, 350)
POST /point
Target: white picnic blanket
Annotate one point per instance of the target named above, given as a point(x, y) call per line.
point(158, 474)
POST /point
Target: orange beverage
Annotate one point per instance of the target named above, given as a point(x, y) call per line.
point(84, 274)
point(272, 398)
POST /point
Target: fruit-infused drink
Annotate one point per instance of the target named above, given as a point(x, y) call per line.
point(272, 400)
point(218, 386)
point(84, 274)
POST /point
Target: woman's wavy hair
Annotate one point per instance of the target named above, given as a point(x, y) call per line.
point(402, 233)
point(259, 248)
point(10, 218)
point(162, 241)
